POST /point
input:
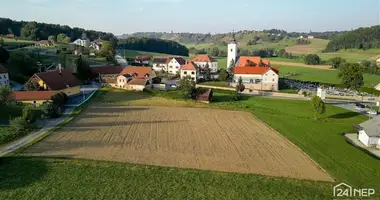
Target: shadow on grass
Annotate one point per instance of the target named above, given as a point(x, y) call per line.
point(17, 172)
point(344, 115)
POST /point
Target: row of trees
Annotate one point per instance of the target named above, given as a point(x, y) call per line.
point(153, 45)
point(42, 31)
point(215, 52)
point(362, 38)
point(302, 41)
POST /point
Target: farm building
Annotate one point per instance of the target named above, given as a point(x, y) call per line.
point(257, 74)
point(4, 77)
point(142, 60)
point(204, 95)
point(61, 80)
point(139, 72)
point(369, 132)
point(33, 97)
point(203, 60)
point(107, 75)
point(129, 83)
point(159, 63)
point(175, 64)
point(190, 69)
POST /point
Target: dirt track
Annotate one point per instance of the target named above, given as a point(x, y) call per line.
point(207, 139)
point(325, 67)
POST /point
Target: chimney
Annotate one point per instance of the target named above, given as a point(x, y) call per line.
point(60, 69)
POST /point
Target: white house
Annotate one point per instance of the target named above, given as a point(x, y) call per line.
point(378, 61)
point(4, 77)
point(175, 64)
point(310, 37)
point(190, 69)
point(256, 74)
point(127, 82)
point(203, 60)
point(142, 59)
point(95, 46)
point(159, 63)
point(369, 134)
point(377, 87)
point(80, 42)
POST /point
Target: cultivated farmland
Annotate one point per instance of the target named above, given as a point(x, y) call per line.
point(210, 139)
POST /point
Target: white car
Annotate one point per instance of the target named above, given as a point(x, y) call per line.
point(372, 112)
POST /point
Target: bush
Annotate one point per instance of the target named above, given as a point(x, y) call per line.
point(59, 99)
point(312, 59)
point(50, 110)
point(28, 115)
point(223, 75)
point(19, 125)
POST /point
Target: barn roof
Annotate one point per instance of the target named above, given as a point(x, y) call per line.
point(140, 71)
point(32, 95)
point(372, 127)
point(59, 79)
point(203, 58)
point(245, 60)
point(254, 70)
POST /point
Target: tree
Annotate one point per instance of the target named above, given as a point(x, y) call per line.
point(5, 92)
point(214, 51)
point(312, 59)
point(232, 67)
point(1, 42)
point(187, 87)
point(50, 110)
point(83, 69)
point(223, 75)
point(239, 88)
point(28, 115)
point(58, 100)
point(19, 125)
point(29, 31)
point(318, 106)
point(84, 36)
point(62, 57)
point(336, 62)
point(108, 50)
point(207, 72)
point(52, 38)
point(63, 38)
point(351, 76)
point(4, 55)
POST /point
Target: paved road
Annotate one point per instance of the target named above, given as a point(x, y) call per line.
point(48, 124)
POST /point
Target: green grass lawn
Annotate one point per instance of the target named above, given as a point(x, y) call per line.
point(16, 41)
point(323, 76)
point(49, 178)
point(133, 53)
point(216, 83)
point(284, 59)
point(353, 55)
point(222, 62)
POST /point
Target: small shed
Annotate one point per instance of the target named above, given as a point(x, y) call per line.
point(369, 133)
point(204, 95)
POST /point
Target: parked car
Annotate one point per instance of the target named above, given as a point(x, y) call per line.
point(372, 112)
point(360, 105)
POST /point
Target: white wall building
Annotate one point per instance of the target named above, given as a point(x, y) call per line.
point(175, 64)
point(232, 53)
point(369, 134)
point(190, 69)
point(321, 93)
point(4, 77)
point(257, 78)
point(95, 46)
point(203, 60)
point(159, 63)
point(80, 42)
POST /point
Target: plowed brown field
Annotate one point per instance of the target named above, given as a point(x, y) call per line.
point(210, 139)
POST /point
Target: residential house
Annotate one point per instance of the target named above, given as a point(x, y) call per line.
point(33, 97)
point(11, 36)
point(174, 64)
point(135, 78)
point(190, 69)
point(44, 43)
point(142, 60)
point(80, 42)
point(61, 80)
point(369, 132)
point(159, 63)
point(310, 37)
point(4, 77)
point(377, 87)
point(107, 75)
point(95, 46)
point(204, 60)
point(256, 74)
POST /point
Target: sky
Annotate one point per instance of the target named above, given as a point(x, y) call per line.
point(197, 16)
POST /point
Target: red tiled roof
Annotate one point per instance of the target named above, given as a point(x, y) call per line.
point(189, 66)
point(107, 70)
point(243, 61)
point(253, 70)
point(140, 71)
point(137, 81)
point(59, 80)
point(203, 58)
point(32, 95)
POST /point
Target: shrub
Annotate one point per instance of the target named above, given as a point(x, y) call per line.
point(318, 106)
point(28, 115)
point(50, 110)
point(223, 75)
point(58, 99)
point(19, 125)
point(312, 59)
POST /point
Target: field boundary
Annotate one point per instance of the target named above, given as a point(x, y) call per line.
point(294, 64)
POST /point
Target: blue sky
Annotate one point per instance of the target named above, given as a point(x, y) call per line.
point(207, 16)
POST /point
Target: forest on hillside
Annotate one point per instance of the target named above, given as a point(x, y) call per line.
point(153, 45)
point(41, 31)
point(361, 38)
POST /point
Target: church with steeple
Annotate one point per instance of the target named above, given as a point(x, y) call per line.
point(232, 52)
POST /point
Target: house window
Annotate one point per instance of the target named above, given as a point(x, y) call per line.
point(177, 67)
point(184, 72)
point(34, 102)
point(170, 67)
point(170, 71)
point(193, 78)
point(193, 73)
point(273, 80)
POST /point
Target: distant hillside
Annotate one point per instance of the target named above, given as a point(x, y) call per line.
point(362, 38)
point(41, 31)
